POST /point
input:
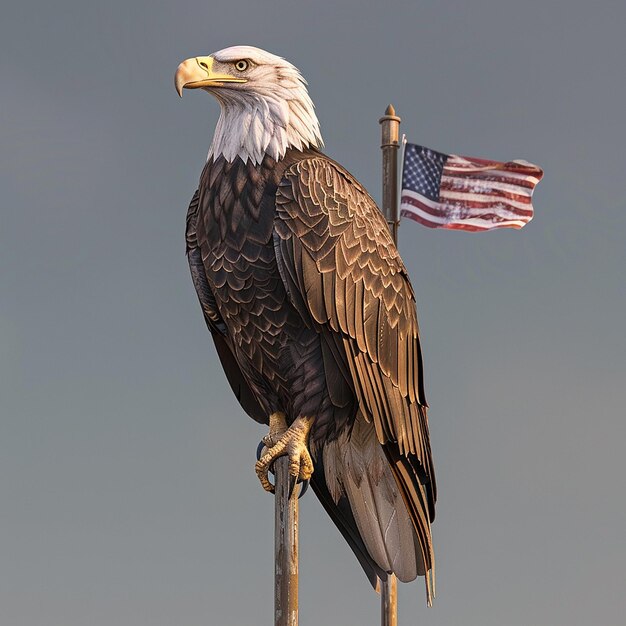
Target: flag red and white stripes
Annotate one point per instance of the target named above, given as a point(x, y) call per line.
point(466, 193)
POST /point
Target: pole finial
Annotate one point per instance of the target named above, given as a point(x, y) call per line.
point(390, 115)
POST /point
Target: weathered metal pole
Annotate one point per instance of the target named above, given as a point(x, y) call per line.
point(389, 602)
point(390, 142)
point(285, 546)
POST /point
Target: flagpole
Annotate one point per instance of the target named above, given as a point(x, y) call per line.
point(285, 546)
point(390, 132)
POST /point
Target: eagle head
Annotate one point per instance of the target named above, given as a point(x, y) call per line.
point(265, 106)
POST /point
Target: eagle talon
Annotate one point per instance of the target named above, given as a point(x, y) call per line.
point(305, 486)
point(293, 445)
point(304, 483)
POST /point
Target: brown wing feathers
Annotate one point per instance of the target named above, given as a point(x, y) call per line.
point(343, 271)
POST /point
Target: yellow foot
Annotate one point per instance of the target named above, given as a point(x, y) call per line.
point(278, 427)
point(291, 443)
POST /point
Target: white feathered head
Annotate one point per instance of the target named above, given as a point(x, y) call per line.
point(266, 108)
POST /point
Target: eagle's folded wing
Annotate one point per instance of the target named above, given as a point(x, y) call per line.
point(343, 273)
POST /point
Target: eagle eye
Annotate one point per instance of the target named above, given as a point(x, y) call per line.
point(241, 66)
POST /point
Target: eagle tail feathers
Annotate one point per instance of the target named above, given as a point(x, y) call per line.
point(341, 514)
point(355, 466)
point(416, 499)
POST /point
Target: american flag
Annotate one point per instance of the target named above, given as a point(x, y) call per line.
point(466, 193)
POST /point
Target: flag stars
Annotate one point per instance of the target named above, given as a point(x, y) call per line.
point(422, 171)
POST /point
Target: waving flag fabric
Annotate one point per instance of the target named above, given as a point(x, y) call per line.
point(466, 193)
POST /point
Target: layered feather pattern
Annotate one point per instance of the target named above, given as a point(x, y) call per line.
point(312, 313)
point(356, 465)
point(345, 276)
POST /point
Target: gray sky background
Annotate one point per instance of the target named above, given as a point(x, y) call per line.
point(127, 490)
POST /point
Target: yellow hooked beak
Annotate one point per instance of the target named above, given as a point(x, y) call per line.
point(197, 72)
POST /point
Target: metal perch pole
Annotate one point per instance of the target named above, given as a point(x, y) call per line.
point(390, 142)
point(285, 546)
point(390, 134)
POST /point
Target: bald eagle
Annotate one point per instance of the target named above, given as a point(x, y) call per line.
point(312, 312)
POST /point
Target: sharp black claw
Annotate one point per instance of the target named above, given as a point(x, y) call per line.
point(305, 486)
